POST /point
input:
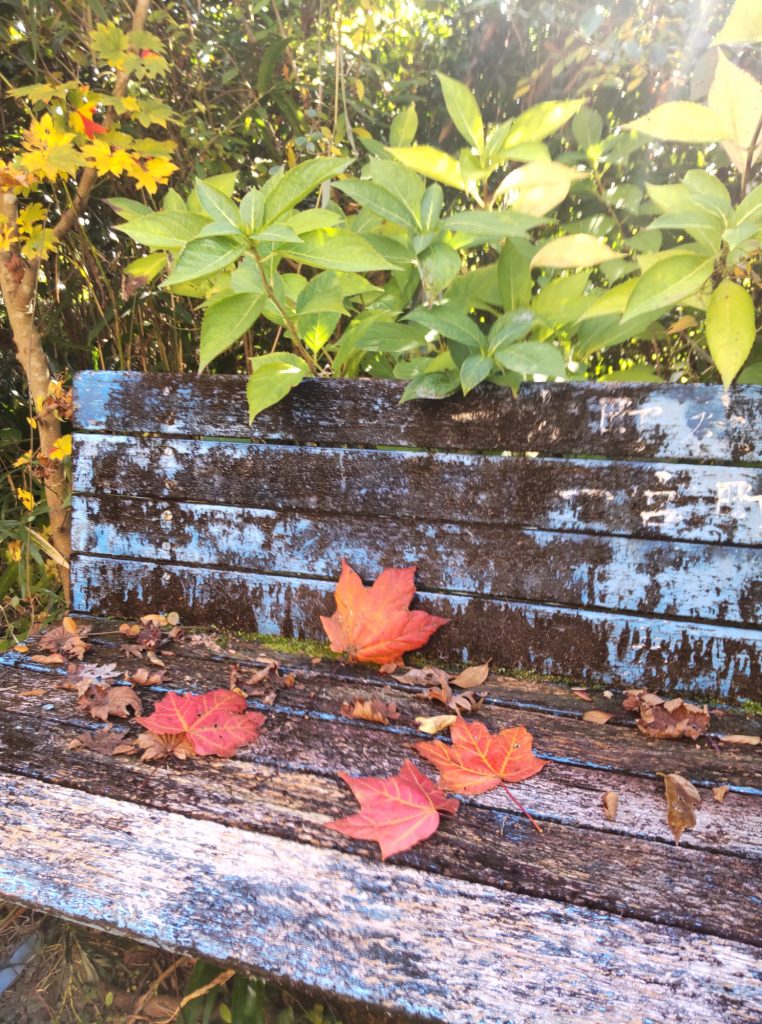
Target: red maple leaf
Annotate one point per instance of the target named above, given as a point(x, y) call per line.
point(214, 723)
point(396, 812)
point(85, 121)
point(375, 623)
point(478, 760)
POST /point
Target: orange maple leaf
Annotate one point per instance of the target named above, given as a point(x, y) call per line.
point(82, 120)
point(213, 723)
point(396, 812)
point(375, 623)
point(478, 760)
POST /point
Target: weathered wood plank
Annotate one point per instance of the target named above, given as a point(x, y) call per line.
point(365, 931)
point(683, 422)
point(584, 645)
point(664, 578)
point(568, 792)
point(492, 848)
point(684, 502)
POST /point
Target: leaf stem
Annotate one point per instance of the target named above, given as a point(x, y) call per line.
point(521, 807)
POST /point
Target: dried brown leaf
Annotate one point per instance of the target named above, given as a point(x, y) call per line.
point(102, 741)
point(610, 801)
point(373, 710)
point(435, 723)
point(145, 677)
point(582, 693)
point(205, 641)
point(66, 639)
point(48, 659)
point(682, 800)
point(719, 793)
point(597, 717)
point(101, 701)
point(739, 738)
point(156, 747)
point(673, 720)
point(471, 677)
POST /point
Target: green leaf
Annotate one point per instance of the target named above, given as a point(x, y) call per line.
point(163, 230)
point(730, 329)
point(668, 282)
point(293, 186)
point(562, 300)
point(303, 221)
point(225, 321)
point(751, 375)
point(252, 210)
point(743, 24)
point(474, 370)
point(735, 96)
point(537, 187)
point(375, 197)
point(610, 300)
point(431, 207)
point(573, 252)
point(404, 126)
point(322, 294)
point(450, 322)
point(509, 328)
point(541, 120)
point(203, 257)
point(439, 265)
point(464, 110)
point(514, 277)
point(147, 266)
point(430, 162)
point(217, 205)
point(338, 250)
point(403, 183)
point(681, 121)
point(530, 357)
point(272, 377)
point(276, 233)
point(706, 226)
point(432, 385)
point(173, 202)
point(491, 225)
point(587, 127)
point(750, 208)
point(708, 188)
point(129, 208)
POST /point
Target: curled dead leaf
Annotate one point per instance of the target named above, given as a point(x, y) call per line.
point(597, 717)
point(101, 701)
point(48, 659)
point(145, 677)
point(667, 719)
point(471, 677)
point(739, 738)
point(435, 723)
point(156, 748)
point(682, 800)
point(66, 639)
point(610, 801)
point(719, 793)
point(370, 710)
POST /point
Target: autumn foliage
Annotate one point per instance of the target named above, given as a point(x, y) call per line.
point(375, 624)
point(215, 723)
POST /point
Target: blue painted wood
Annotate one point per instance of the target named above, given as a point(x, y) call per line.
point(681, 422)
point(696, 581)
point(661, 500)
point(587, 645)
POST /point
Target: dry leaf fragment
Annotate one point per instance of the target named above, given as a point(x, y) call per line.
point(145, 677)
point(156, 747)
point(597, 717)
point(101, 700)
point(610, 801)
point(102, 741)
point(682, 800)
point(205, 641)
point(65, 639)
point(93, 672)
point(31, 693)
point(671, 719)
point(582, 693)
point(471, 677)
point(21, 648)
point(749, 741)
point(370, 710)
point(435, 723)
point(719, 793)
point(608, 694)
point(48, 659)
point(375, 623)
point(428, 676)
point(463, 703)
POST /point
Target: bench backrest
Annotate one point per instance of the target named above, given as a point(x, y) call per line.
point(601, 532)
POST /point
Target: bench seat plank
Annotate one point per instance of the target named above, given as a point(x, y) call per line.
point(487, 845)
point(686, 502)
point(585, 645)
point(365, 931)
point(682, 421)
point(665, 578)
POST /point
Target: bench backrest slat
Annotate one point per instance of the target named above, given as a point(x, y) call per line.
point(635, 557)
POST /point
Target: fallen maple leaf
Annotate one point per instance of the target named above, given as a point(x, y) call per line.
point(374, 623)
point(682, 800)
point(375, 710)
point(214, 723)
point(66, 639)
point(396, 812)
point(478, 760)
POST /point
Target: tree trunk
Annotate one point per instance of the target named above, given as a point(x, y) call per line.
point(18, 284)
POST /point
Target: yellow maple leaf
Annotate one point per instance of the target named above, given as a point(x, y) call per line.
point(7, 234)
point(39, 243)
point(23, 459)
point(105, 160)
point(61, 448)
point(32, 214)
point(154, 172)
point(26, 498)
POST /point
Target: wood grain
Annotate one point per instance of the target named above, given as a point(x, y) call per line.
point(682, 422)
point(665, 578)
point(488, 846)
point(584, 645)
point(369, 932)
point(713, 504)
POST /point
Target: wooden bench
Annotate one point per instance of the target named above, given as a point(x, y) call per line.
point(610, 535)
